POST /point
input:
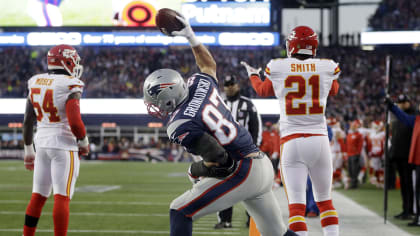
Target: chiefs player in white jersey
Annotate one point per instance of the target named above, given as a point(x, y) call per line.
point(53, 101)
point(302, 85)
point(337, 150)
point(375, 147)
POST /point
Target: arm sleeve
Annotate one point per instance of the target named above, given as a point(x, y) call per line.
point(254, 124)
point(408, 120)
point(75, 120)
point(263, 88)
point(334, 88)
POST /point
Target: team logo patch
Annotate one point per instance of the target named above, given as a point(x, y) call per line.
point(155, 90)
point(178, 140)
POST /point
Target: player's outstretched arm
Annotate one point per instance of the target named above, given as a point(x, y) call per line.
point(203, 58)
point(28, 134)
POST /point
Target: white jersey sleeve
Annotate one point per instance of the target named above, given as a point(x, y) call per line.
point(302, 87)
point(48, 94)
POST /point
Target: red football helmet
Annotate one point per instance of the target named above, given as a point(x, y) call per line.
point(377, 125)
point(65, 57)
point(302, 40)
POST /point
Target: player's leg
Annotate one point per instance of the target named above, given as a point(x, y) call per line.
point(54, 15)
point(266, 213)
point(224, 218)
point(253, 177)
point(320, 171)
point(65, 169)
point(294, 176)
point(208, 196)
point(42, 185)
point(35, 10)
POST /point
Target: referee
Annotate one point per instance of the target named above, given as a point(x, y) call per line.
point(245, 113)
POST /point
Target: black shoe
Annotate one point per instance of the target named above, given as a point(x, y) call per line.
point(415, 222)
point(404, 216)
point(222, 225)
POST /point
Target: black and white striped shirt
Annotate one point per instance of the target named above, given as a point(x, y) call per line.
point(245, 113)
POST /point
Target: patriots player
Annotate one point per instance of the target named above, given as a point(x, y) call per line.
point(232, 169)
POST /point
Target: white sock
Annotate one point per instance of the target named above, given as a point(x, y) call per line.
point(330, 230)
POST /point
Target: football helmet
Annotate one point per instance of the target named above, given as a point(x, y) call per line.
point(164, 90)
point(377, 125)
point(302, 40)
point(65, 57)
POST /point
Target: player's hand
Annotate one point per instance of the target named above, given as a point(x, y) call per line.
point(251, 70)
point(193, 179)
point(388, 101)
point(29, 156)
point(83, 145)
point(28, 161)
point(186, 32)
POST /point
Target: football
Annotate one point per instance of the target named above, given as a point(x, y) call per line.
point(167, 22)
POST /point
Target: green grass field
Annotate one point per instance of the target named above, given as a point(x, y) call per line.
point(139, 206)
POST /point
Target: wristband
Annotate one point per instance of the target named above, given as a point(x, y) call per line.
point(194, 42)
point(83, 142)
point(29, 150)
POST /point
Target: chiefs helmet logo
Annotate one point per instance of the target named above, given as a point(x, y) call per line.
point(155, 90)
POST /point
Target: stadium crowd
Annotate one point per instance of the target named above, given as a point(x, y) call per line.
point(120, 72)
point(396, 15)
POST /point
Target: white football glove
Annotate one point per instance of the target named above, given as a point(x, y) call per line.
point(251, 70)
point(29, 157)
point(187, 32)
point(192, 178)
point(83, 145)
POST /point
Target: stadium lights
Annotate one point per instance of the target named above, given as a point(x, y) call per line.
point(390, 37)
point(124, 106)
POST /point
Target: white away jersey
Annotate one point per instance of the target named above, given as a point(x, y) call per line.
point(48, 94)
point(302, 87)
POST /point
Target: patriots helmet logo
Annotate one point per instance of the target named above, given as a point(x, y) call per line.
point(179, 138)
point(156, 89)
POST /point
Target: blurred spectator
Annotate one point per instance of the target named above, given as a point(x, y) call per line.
point(354, 142)
point(400, 148)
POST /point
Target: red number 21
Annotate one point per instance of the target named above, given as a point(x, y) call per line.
point(300, 109)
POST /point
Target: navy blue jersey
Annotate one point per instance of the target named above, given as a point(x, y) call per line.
point(205, 111)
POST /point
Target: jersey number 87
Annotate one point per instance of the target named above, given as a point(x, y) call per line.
point(223, 129)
